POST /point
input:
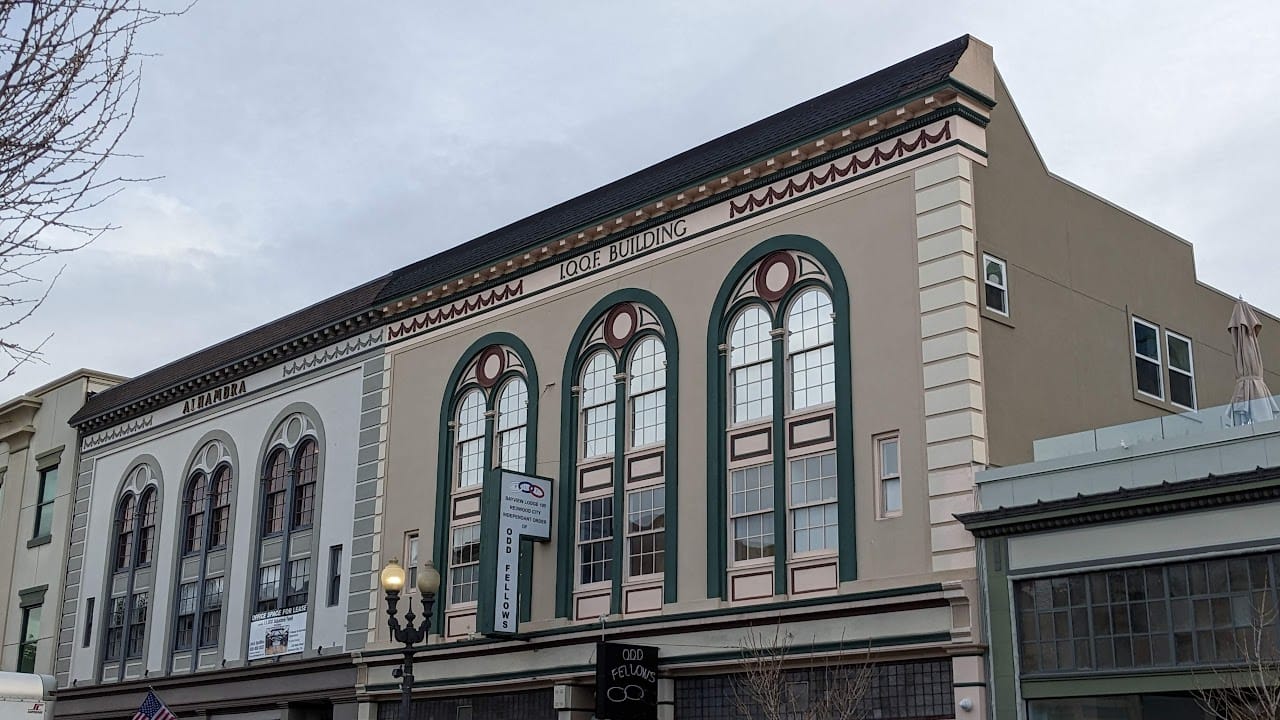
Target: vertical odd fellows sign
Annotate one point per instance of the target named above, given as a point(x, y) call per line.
point(626, 682)
point(516, 507)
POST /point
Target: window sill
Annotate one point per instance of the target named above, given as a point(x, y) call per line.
point(40, 540)
point(989, 314)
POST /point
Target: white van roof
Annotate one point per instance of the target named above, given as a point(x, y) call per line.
point(26, 686)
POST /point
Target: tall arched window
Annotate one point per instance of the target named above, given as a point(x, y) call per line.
point(288, 524)
point(781, 402)
point(193, 537)
point(489, 414)
point(202, 569)
point(129, 586)
point(617, 496)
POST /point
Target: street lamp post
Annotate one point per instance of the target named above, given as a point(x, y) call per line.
point(392, 577)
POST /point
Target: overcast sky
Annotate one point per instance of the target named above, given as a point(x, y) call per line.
point(309, 146)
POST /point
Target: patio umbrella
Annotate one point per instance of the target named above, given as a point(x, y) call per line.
point(1251, 401)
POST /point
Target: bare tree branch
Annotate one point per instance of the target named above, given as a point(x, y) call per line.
point(774, 684)
point(1250, 691)
point(69, 76)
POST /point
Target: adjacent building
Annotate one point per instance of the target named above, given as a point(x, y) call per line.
point(37, 471)
point(1129, 568)
point(761, 377)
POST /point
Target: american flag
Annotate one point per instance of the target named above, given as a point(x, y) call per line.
point(153, 709)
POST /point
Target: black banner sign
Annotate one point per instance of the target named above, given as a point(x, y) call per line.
point(626, 682)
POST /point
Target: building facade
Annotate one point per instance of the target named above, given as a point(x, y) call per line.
point(213, 553)
point(760, 376)
point(1132, 568)
point(36, 501)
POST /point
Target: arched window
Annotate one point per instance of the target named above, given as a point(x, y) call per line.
point(147, 527)
point(471, 439)
point(202, 570)
point(304, 483)
point(220, 515)
point(779, 472)
point(193, 537)
point(125, 515)
point(291, 482)
point(489, 412)
point(598, 411)
point(620, 468)
point(274, 488)
point(128, 587)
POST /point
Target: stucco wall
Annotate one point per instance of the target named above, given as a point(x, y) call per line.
point(871, 232)
point(1079, 267)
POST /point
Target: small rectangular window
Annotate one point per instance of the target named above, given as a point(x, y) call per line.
point(1182, 379)
point(464, 564)
point(814, 515)
point(1146, 358)
point(411, 561)
point(29, 639)
point(335, 574)
point(184, 636)
point(88, 622)
point(137, 636)
point(889, 475)
point(995, 278)
point(299, 583)
point(211, 613)
point(268, 588)
point(646, 520)
point(44, 503)
point(115, 628)
point(751, 512)
point(595, 540)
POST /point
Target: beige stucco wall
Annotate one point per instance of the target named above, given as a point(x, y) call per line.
point(23, 567)
point(871, 232)
point(1078, 268)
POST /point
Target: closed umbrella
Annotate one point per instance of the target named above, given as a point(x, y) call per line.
point(1251, 401)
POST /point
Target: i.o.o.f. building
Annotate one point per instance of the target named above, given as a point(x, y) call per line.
point(761, 376)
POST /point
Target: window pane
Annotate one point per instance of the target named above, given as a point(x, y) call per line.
point(646, 520)
point(1181, 389)
point(996, 299)
point(648, 369)
point(1145, 341)
point(809, 323)
point(889, 458)
point(471, 440)
point(749, 340)
point(813, 378)
point(513, 404)
point(464, 559)
point(598, 382)
point(892, 490)
point(1148, 377)
point(598, 410)
point(753, 392)
point(595, 540)
point(1179, 353)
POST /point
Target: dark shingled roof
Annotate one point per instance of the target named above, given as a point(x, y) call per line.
point(308, 319)
point(809, 119)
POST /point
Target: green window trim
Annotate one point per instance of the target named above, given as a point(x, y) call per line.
point(577, 353)
point(717, 425)
point(32, 596)
point(444, 470)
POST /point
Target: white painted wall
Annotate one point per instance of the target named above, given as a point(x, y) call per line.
point(335, 396)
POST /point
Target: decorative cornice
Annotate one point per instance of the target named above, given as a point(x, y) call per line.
point(849, 137)
point(944, 100)
point(1251, 486)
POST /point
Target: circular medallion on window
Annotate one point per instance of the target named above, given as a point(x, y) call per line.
point(490, 366)
point(776, 275)
point(620, 324)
